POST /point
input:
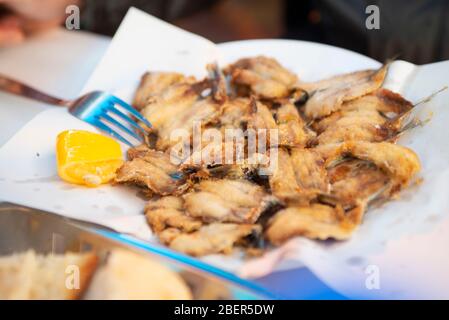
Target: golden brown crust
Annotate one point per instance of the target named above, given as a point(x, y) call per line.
point(264, 76)
point(292, 128)
point(153, 83)
point(226, 200)
point(211, 239)
point(169, 212)
point(333, 145)
point(356, 182)
point(315, 222)
point(375, 117)
point(299, 176)
point(178, 107)
point(328, 95)
point(152, 169)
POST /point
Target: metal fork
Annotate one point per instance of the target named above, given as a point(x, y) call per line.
point(98, 108)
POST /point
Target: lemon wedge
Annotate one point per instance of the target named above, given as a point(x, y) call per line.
point(87, 158)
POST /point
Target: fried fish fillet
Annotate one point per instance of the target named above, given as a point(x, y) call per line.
point(235, 113)
point(154, 83)
point(288, 126)
point(209, 239)
point(227, 200)
point(389, 103)
point(265, 77)
point(323, 179)
point(137, 152)
point(356, 182)
point(283, 182)
point(400, 163)
point(212, 153)
point(361, 113)
point(262, 128)
point(364, 119)
point(200, 112)
point(261, 116)
point(298, 177)
point(217, 82)
point(309, 170)
point(176, 110)
point(361, 129)
point(152, 169)
point(327, 96)
point(292, 128)
point(224, 143)
point(316, 221)
point(168, 212)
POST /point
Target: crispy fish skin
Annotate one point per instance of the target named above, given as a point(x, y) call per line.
point(380, 105)
point(226, 200)
point(356, 182)
point(291, 126)
point(262, 124)
point(399, 162)
point(316, 221)
point(152, 169)
point(209, 239)
point(154, 83)
point(391, 102)
point(364, 119)
point(172, 100)
point(309, 170)
point(328, 95)
point(235, 113)
point(325, 177)
point(361, 129)
point(264, 76)
point(288, 124)
point(179, 107)
point(299, 177)
point(347, 115)
point(167, 235)
point(213, 153)
point(283, 182)
point(218, 83)
point(137, 152)
point(261, 116)
point(202, 112)
point(169, 212)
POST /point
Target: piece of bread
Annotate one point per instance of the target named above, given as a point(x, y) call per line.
point(127, 275)
point(51, 277)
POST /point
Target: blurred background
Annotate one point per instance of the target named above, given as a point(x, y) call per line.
point(413, 30)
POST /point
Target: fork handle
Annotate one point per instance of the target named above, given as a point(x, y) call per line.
point(15, 87)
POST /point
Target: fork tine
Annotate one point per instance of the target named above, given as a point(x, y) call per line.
point(100, 125)
point(127, 119)
point(121, 126)
point(133, 111)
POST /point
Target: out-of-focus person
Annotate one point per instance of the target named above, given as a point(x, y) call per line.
point(21, 18)
point(412, 30)
point(218, 20)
